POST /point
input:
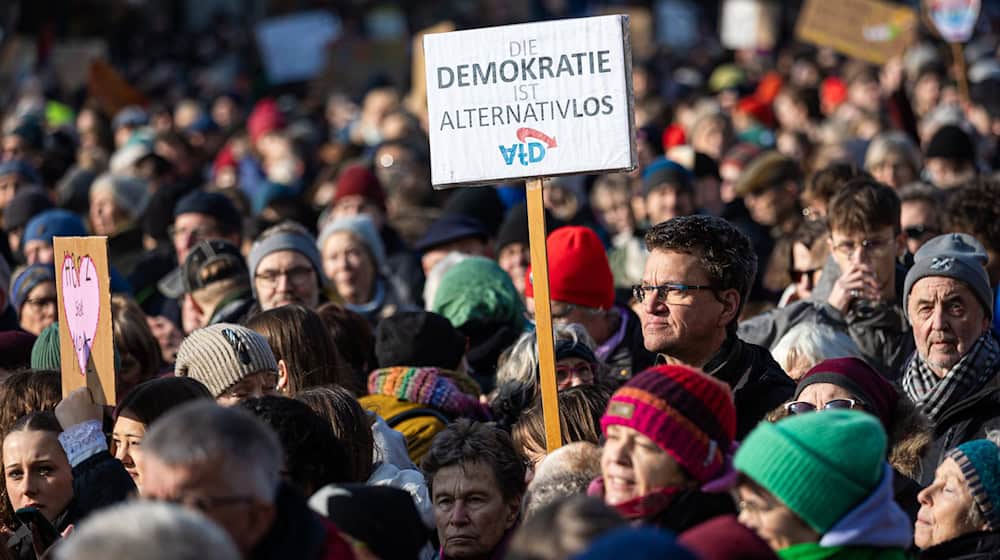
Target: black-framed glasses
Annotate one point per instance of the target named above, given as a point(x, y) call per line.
point(919, 231)
point(801, 407)
point(206, 504)
point(299, 275)
point(671, 294)
point(873, 247)
point(797, 275)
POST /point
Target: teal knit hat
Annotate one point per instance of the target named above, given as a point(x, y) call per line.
point(477, 288)
point(45, 352)
point(819, 465)
point(980, 463)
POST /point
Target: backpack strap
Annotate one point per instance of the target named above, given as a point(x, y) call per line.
point(417, 413)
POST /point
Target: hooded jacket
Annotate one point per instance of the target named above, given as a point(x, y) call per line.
point(881, 331)
point(876, 529)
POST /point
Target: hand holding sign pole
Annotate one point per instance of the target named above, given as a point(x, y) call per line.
point(83, 287)
point(497, 101)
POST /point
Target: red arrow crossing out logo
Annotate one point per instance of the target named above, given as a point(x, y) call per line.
point(524, 133)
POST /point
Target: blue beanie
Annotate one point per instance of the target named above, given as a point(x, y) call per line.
point(22, 168)
point(52, 223)
point(636, 543)
point(662, 171)
point(26, 280)
point(980, 463)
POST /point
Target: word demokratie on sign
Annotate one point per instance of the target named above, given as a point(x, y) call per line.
point(530, 100)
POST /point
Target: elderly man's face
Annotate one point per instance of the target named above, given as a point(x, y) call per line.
point(470, 512)
point(212, 490)
point(944, 508)
point(947, 319)
point(286, 277)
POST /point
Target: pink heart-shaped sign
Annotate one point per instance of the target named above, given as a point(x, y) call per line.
point(81, 302)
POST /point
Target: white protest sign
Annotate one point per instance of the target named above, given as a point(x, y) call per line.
point(531, 100)
point(294, 47)
point(954, 19)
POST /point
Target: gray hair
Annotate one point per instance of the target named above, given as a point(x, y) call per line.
point(437, 273)
point(893, 142)
point(807, 344)
point(148, 530)
point(522, 361)
point(234, 440)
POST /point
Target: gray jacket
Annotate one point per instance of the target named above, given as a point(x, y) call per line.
point(881, 332)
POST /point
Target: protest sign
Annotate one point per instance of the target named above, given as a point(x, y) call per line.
point(748, 24)
point(83, 289)
point(526, 102)
point(294, 47)
point(531, 100)
point(110, 89)
point(953, 19)
point(865, 29)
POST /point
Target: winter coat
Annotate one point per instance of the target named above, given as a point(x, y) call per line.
point(876, 529)
point(972, 418)
point(300, 533)
point(629, 356)
point(881, 332)
point(385, 303)
point(674, 509)
point(98, 482)
point(759, 384)
point(235, 308)
point(973, 546)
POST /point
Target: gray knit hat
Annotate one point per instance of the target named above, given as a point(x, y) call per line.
point(953, 255)
point(364, 228)
point(285, 237)
point(221, 355)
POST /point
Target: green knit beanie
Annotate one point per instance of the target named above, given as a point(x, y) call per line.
point(45, 352)
point(478, 289)
point(821, 465)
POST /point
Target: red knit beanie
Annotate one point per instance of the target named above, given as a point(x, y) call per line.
point(579, 272)
point(861, 380)
point(690, 415)
point(359, 180)
point(265, 117)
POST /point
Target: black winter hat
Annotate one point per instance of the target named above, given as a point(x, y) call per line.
point(418, 339)
point(24, 206)
point(383, 518)
point(514, 228)
point(481, 203)
point(951, 142)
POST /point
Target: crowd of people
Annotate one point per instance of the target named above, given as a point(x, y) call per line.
point(777, 337)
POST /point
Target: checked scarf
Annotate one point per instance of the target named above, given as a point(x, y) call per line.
point(934, 395)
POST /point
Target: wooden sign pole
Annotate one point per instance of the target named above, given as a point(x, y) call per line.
point(958, 55)
point(543, 314)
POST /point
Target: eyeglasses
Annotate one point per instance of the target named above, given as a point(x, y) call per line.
point(798, 274)
point(873, 247)
point(671, 294)
point(801, 407)
point(918, 232)
point(299, 276)
point(205, 504)
point(582, 371)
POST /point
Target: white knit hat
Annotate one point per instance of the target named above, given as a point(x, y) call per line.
point(222, 355)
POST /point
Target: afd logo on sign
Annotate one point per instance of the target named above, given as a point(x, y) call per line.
point(531, 147)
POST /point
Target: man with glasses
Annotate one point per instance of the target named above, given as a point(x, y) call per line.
point(696, 281)
point(862, 298)
point(582, 290)
point(286, 267)
point(226, 464)
point(920, 214)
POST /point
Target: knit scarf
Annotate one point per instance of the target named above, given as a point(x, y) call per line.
point(641, 508)
point(935, 395)
point(451, 392)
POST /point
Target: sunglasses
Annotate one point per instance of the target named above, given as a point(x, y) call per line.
point(801, 407)
point(797, 275)
point(919, 231)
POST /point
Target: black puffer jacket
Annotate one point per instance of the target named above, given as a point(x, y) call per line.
point(974, 546)
point(759, 384)
point(98, 482)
